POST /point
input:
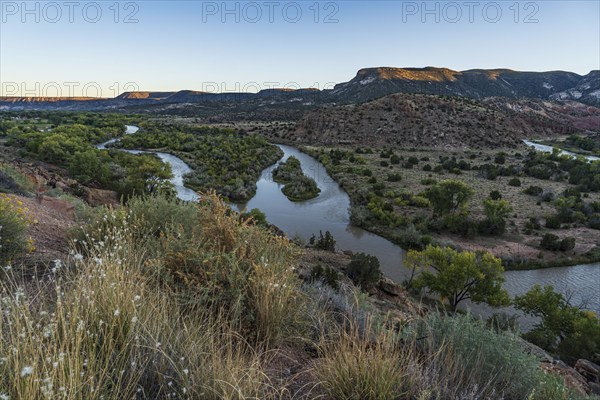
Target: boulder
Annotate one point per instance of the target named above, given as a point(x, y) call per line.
point(589, 370)
point(101, 197)
point(388, 286)
point(573, 379)
point(62, 207)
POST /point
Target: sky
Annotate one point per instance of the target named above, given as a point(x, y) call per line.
point(102, 48)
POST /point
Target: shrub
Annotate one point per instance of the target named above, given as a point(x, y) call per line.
point(533, 224)
point(325, 242)
point(550, 242)
point(419, 201)
point(495, 195)
point(553, 222)
point(14, 221)
point(394, 178)
point(427, 167)
point(515, 182)
point(256, 217)
point(567, 244)
point(363, 270)
point(553, 243)
point(472, 356)
point(326, 274)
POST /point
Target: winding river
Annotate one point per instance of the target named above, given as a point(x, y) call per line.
point(329, 211)
point(178, 167)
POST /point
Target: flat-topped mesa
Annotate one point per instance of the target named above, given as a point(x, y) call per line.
point(413, 74)
point(33, 99)
point(144, 95)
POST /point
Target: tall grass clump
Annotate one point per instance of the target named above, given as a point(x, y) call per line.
point(210, 257)
point(230, 265)
point(105, 331)
point(356, 367)
point(14, 221)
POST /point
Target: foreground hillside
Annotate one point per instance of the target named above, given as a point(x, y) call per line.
point(423, 120)
point(162, 299)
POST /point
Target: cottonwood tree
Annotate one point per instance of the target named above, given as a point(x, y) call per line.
point(449, 196)
point(564, 329)
point(459, 275)
point(496, 213)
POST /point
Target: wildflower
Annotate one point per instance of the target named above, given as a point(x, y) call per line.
point(134, 320)
point(57, 266)
point(117, 312)
point(26, 371)
point(186, 371)
point(136, 297)
point(4, 396)
point(78, 257)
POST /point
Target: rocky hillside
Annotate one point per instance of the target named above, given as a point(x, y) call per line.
point(580, 117)
point(371, 83)
point(424, 121)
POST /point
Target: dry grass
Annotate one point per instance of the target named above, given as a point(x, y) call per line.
point(101, 326)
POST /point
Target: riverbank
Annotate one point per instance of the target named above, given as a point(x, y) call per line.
point(372, 181)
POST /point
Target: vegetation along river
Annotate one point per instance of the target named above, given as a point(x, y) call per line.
point(330, 212)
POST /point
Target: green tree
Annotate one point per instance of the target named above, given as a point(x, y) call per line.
point(496, 212)
point(563, 328)
point(459, 275)
point(325, 242)
point(256, 216)
point(364, 270)
point(88, 166)
point(449, 196)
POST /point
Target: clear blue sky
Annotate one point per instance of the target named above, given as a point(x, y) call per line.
point(197, 45)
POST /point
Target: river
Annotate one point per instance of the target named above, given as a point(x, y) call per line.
point(548, 149)
point(330, 212)
point(178, 166)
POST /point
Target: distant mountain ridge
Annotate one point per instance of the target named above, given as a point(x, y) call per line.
point(372, 83)
point(368, 84)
